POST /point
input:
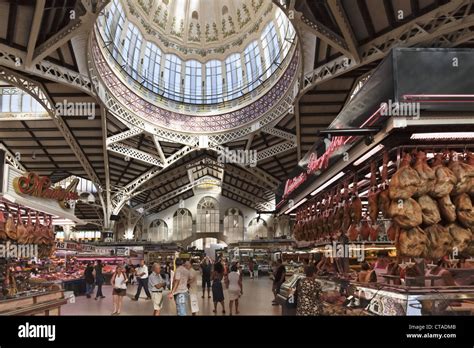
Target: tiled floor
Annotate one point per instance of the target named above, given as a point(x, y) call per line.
point(256, 300)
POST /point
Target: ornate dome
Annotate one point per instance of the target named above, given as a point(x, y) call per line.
point(187, 58)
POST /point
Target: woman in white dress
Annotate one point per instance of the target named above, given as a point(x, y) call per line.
point(234, 285)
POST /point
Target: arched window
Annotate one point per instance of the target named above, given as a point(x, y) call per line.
point(172, 77)
point(257, 229)
point(286, 30)
point(193, 82)
point(131, 50)
point(214, 81)
point(195, 15)
point(182, 224)
point(253, 64)
point(151, 67)
point(235, 79)
point(114, 24)
point(271, 48)
point(158, 231)
point(234, 225)
point(207, 215)
point(225, 10)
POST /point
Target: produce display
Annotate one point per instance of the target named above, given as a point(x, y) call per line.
point(15, 229)
point(429, 206)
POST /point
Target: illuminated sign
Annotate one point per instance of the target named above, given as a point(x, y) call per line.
point(40, 186)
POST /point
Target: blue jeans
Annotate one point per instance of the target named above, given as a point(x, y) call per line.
point(181, 303)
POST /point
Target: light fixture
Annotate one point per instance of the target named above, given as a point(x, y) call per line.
point(444, 135)
point(327, 183)
point(296, 205)
point(369, 154)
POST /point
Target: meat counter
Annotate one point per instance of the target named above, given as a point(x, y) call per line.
point(344, 297)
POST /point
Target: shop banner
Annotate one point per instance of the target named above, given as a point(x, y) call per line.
point(122, 251)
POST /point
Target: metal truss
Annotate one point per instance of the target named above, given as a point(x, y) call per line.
point(446, 19)
point(37, 91)
point(130, 152)
point(258, 202)
point(124, 135)
point(99, 222)
point(343, 23)
point(279, 133)
point(12, 159)
point(180, 190)
point(275, 150)
point(322, 32)
point(130, 190)
point(15, 59)
point(270, 181)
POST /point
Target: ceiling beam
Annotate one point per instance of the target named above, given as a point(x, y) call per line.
point(440, 21)
point(34, 31)
point(339, 13)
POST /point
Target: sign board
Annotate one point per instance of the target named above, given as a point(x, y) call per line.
point(122, 251)
point(37, 200)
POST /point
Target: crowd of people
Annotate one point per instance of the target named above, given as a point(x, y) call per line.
point(182, 283)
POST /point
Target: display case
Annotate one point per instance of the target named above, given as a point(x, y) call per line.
point(346, 297)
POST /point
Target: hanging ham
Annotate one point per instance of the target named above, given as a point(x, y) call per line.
point(10, 227)
point(426, 174)
point(393, 231)
point(384, 196)
point(3, 235)
point(463, 172)
point(406, 213)
point(461, 236)
point(356, 205)
point(405, 182)
point(346, 219)
point(365, 230)
point(373, 195)
point(444, 178)
point(413, 242)
point(22, 236)
point(464, 210)
point(429, 210)
point(440, 241)
point(447, 209)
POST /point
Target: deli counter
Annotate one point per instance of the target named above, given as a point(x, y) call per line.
point(347, 297)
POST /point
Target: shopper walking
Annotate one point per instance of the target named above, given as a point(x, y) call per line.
point(308, 294)
point(129, 270)
point(90, 279)
point(217, 290)
point(251, 268)
point(99, 279)
point(180, 287)
point(234, 285)
point(156, 285)
point(119, 283)
point(142, 277)
point(206, 269)
point(279, 279)
point(255, 269)
point(193, 288)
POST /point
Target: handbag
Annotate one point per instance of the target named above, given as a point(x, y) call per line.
point(292, 300)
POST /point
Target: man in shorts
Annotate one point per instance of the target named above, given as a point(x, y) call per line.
point(156, 284)
point(180, 287)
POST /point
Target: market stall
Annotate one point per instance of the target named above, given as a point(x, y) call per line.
point(30, 207)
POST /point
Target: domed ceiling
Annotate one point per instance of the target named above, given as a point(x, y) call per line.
point(200, 26)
